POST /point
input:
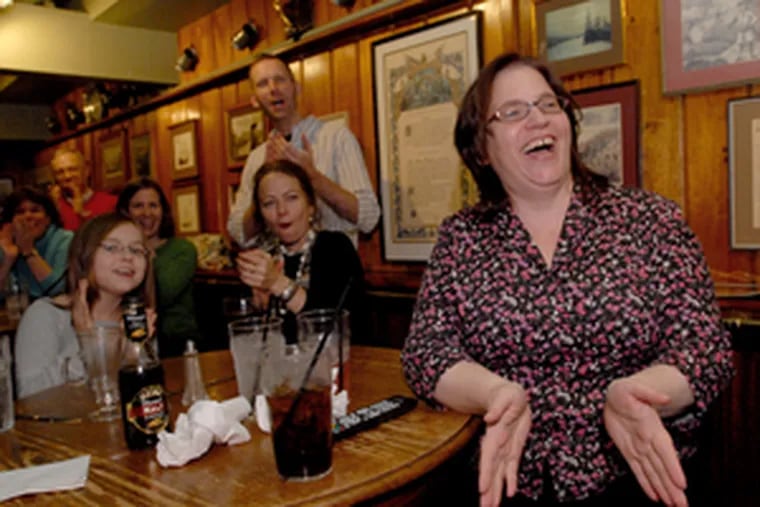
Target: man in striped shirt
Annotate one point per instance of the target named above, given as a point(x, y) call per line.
point(328, 152)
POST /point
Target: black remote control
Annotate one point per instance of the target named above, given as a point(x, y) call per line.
point(372, 415)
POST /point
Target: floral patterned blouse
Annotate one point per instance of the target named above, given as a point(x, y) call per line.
point(628, 287)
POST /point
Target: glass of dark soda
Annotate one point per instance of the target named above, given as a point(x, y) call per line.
point(301, 418)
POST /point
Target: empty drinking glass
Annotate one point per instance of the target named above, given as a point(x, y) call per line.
point(101, 352)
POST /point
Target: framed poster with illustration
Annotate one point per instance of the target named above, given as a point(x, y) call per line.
point(709, 44)
point(184, 150)
point(744, 172)
point(579, 35)
point(420, 78)
point(139, 156)
point(609, 137)
point(112, 160)
point(246, 129)
point(187, 214)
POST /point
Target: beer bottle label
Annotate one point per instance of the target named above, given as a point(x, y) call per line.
point(147, 410)
point(136, 326)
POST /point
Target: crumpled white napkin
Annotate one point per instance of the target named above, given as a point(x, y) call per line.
point(57, 476)
point(205, 422)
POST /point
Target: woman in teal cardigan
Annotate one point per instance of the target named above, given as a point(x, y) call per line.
point(174, 264)
point(34, 247)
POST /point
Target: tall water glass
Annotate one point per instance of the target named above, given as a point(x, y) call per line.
point(101, 349)
point(300, 408)
point(247, 337)
point(312, 325)
point(6, 385)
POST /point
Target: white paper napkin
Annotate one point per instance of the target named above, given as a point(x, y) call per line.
point(57, 476)
point(206, 422)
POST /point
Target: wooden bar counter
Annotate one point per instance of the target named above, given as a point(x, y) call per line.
point(369, 466)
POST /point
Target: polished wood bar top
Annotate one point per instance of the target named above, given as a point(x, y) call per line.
point(366, 465)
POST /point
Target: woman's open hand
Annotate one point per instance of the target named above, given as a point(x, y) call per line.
point(80, 309)
point(508, 421)
point(7, 244)
point(632, 421)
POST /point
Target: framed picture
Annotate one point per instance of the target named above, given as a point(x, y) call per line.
point(744, 172)
point(580, 35)
point(139, 156)
point(112, 160)
point(709, 44)
point(246, 129)
point(420, 78)
point(184, 150)
point(187, 209)
point(609, 138)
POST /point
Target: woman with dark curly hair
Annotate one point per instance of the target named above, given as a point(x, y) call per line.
point(174, 263)
point(33, 245)
point(578, 318)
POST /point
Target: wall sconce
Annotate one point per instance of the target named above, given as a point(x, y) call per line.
point(187, 60)
point(247, 37)
point(52, 124)
point(73, 116)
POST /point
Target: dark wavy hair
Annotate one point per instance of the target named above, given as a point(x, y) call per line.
point(14, 200)
point(166, 228)
point(472, 128)
point(82, 251)
point(290, 169)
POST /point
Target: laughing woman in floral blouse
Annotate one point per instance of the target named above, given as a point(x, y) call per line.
point(578, 318)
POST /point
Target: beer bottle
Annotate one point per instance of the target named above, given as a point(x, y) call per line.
point(144, 407)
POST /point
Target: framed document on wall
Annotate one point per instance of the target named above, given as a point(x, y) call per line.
point(112, 160)
point(187, 209)
point(184, 150)
point(744, 172)
point(420, 78)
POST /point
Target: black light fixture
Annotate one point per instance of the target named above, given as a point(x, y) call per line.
point(187, 60)
point(52, 124)
point(344, 3)
point(74, 116)
point(247, 37)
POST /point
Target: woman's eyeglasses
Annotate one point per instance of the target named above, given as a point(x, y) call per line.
point(516, 110)
point(119, 249)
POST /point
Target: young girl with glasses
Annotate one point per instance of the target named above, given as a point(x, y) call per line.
point(108, 259)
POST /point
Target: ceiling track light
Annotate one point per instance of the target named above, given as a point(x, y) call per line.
point(247, 37)
point(187, 60)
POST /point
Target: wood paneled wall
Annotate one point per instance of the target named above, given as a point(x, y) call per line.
point(683, 138)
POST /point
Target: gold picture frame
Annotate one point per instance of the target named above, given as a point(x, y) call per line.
point(245, 129)
point(186, 201)
point(579, 35)
point(112, 160)
point(184, 150)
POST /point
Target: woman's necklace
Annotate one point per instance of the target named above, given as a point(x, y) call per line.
point(302, 274)
point(304, 263)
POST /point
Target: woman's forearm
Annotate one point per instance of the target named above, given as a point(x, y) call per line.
point(669, 381)
point(467, 387)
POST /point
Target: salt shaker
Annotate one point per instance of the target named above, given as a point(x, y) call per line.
point(194, 388)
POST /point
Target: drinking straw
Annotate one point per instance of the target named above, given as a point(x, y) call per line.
point(317, 352)
point(267, 317)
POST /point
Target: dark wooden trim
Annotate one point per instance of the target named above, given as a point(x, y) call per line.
point(349, 28)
